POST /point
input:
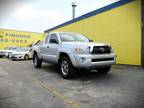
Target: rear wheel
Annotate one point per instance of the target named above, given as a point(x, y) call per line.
point(26, 57)
point(37, 62)
point(66, 68)
point(104, 70)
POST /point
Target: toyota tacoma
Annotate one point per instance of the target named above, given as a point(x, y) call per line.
point(73, 51)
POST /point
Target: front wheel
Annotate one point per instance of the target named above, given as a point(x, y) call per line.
point(37, 62)
point(26, 57)
point(104, 70)
point(66, 68)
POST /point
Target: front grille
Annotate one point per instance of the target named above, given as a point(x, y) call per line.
point(101, 50)
point(102, 59)
point(13, 57)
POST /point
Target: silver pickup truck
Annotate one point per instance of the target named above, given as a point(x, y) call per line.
point(72, 51)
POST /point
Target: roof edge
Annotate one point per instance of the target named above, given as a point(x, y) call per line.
point(95, 12)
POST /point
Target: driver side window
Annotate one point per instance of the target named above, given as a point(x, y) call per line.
point(53, 39)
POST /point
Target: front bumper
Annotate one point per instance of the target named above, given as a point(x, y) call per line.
point(2, 54)
point(88, 61)
point(17, 57)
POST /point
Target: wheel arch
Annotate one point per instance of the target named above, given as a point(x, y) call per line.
point(70, 56)
point(36, 52)
point(24, 56)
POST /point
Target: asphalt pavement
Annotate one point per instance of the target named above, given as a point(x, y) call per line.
point(23, 86)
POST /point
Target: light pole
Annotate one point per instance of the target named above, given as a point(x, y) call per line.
point(73, 9)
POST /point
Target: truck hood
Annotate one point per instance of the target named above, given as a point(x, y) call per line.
point(16, 52)
point(5, 50)
point(91, 44)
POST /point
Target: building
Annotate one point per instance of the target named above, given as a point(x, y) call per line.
point(119, 24)
point(18, 38)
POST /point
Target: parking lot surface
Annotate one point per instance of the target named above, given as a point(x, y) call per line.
point(23, 86)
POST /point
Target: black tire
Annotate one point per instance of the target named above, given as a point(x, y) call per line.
point(1, 56)
point(104, 70)
point(8, 56)
point(37, 62)
point(14, 59)
point(26, 57)
point(66, 68)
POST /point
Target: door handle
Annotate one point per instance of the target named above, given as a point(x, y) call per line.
point(47, 46)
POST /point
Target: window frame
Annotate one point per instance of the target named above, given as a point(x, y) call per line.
point(46, 41)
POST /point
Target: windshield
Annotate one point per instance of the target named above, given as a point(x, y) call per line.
point(72, 37)
point(22, 49)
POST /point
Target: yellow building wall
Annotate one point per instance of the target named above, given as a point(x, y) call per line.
point(18, 38)
point(120, 27)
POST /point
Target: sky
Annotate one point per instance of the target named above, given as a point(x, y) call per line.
point(40, 15)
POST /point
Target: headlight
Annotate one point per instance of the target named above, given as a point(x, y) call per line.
point(82, 50)
point(111, 49)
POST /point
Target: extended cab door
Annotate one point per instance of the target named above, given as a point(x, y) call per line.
point(53, 48)
point(49, 49)
point(43, 48)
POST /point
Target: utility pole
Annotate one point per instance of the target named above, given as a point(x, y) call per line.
point(73, 9)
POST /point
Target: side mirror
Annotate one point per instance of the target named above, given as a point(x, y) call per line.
point(53, 41)
point(91, 40)
point(30, 50)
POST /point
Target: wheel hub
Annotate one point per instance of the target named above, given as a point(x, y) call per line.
point(65, 67)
